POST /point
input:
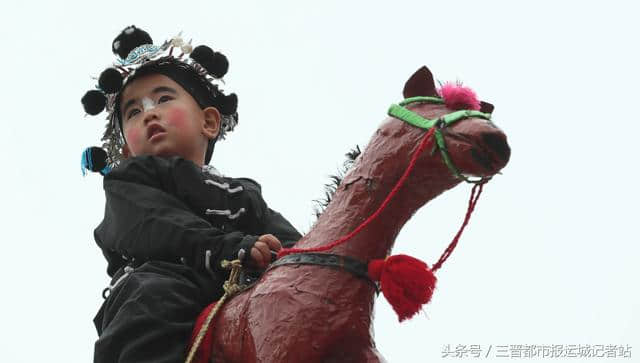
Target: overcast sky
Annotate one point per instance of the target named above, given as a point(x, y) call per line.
point(551, 253)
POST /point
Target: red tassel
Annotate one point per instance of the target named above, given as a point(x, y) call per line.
point(203, 355)
point(406, 282)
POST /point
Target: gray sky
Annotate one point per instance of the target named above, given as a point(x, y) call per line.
point(550, 256)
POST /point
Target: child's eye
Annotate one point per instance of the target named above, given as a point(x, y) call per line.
point(132, 113)
point(165, 98)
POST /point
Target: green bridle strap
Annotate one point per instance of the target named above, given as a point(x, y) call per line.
point(400, 112)
point(421, 99)
point(442, 146)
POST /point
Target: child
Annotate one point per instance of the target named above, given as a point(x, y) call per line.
point(170, 219)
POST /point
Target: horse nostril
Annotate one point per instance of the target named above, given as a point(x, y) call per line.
point(498, 144)
point(482, 158)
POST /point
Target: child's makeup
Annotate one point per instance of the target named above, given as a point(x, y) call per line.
point(177, 116)
point(147, 104)
point(134, 134)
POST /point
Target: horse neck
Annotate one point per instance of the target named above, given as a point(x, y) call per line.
point(366, 186)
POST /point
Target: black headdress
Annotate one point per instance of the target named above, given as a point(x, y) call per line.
point(198, 70)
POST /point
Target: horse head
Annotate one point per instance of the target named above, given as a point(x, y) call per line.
point(478, 146)
point(470, 145)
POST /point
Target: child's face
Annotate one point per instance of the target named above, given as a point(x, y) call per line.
point(160, 118)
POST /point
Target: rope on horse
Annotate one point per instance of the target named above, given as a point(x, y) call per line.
point(434, 133)
point(410, 283)
point(231, 287)
point(426, 141)
point(473, 199)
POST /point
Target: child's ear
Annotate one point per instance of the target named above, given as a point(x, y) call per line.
point(211, 126)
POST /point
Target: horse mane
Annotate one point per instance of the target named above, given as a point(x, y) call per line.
point(335, 180)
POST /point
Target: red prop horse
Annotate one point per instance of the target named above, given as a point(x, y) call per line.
point(310, 313)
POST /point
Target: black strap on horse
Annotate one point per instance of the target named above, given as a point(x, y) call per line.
point(350, 264)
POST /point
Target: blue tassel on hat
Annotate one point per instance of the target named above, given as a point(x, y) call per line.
point(95, 159)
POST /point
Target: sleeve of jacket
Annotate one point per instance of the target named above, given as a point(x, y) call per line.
point(271, 222)
point(145, 221)
point(277, 225)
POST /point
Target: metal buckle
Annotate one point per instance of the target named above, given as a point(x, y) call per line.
point(107, 290)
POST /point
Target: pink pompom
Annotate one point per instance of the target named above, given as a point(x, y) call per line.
point(458, 97)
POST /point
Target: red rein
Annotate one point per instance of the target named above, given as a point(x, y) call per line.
point(406, 282)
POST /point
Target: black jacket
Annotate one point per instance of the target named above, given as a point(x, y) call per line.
point(170, 209)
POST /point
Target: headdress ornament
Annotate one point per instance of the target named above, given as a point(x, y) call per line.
point(199, 70)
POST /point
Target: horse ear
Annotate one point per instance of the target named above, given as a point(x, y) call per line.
point(486, 107)
point(420, 84)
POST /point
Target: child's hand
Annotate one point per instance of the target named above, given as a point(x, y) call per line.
point(261, 250)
